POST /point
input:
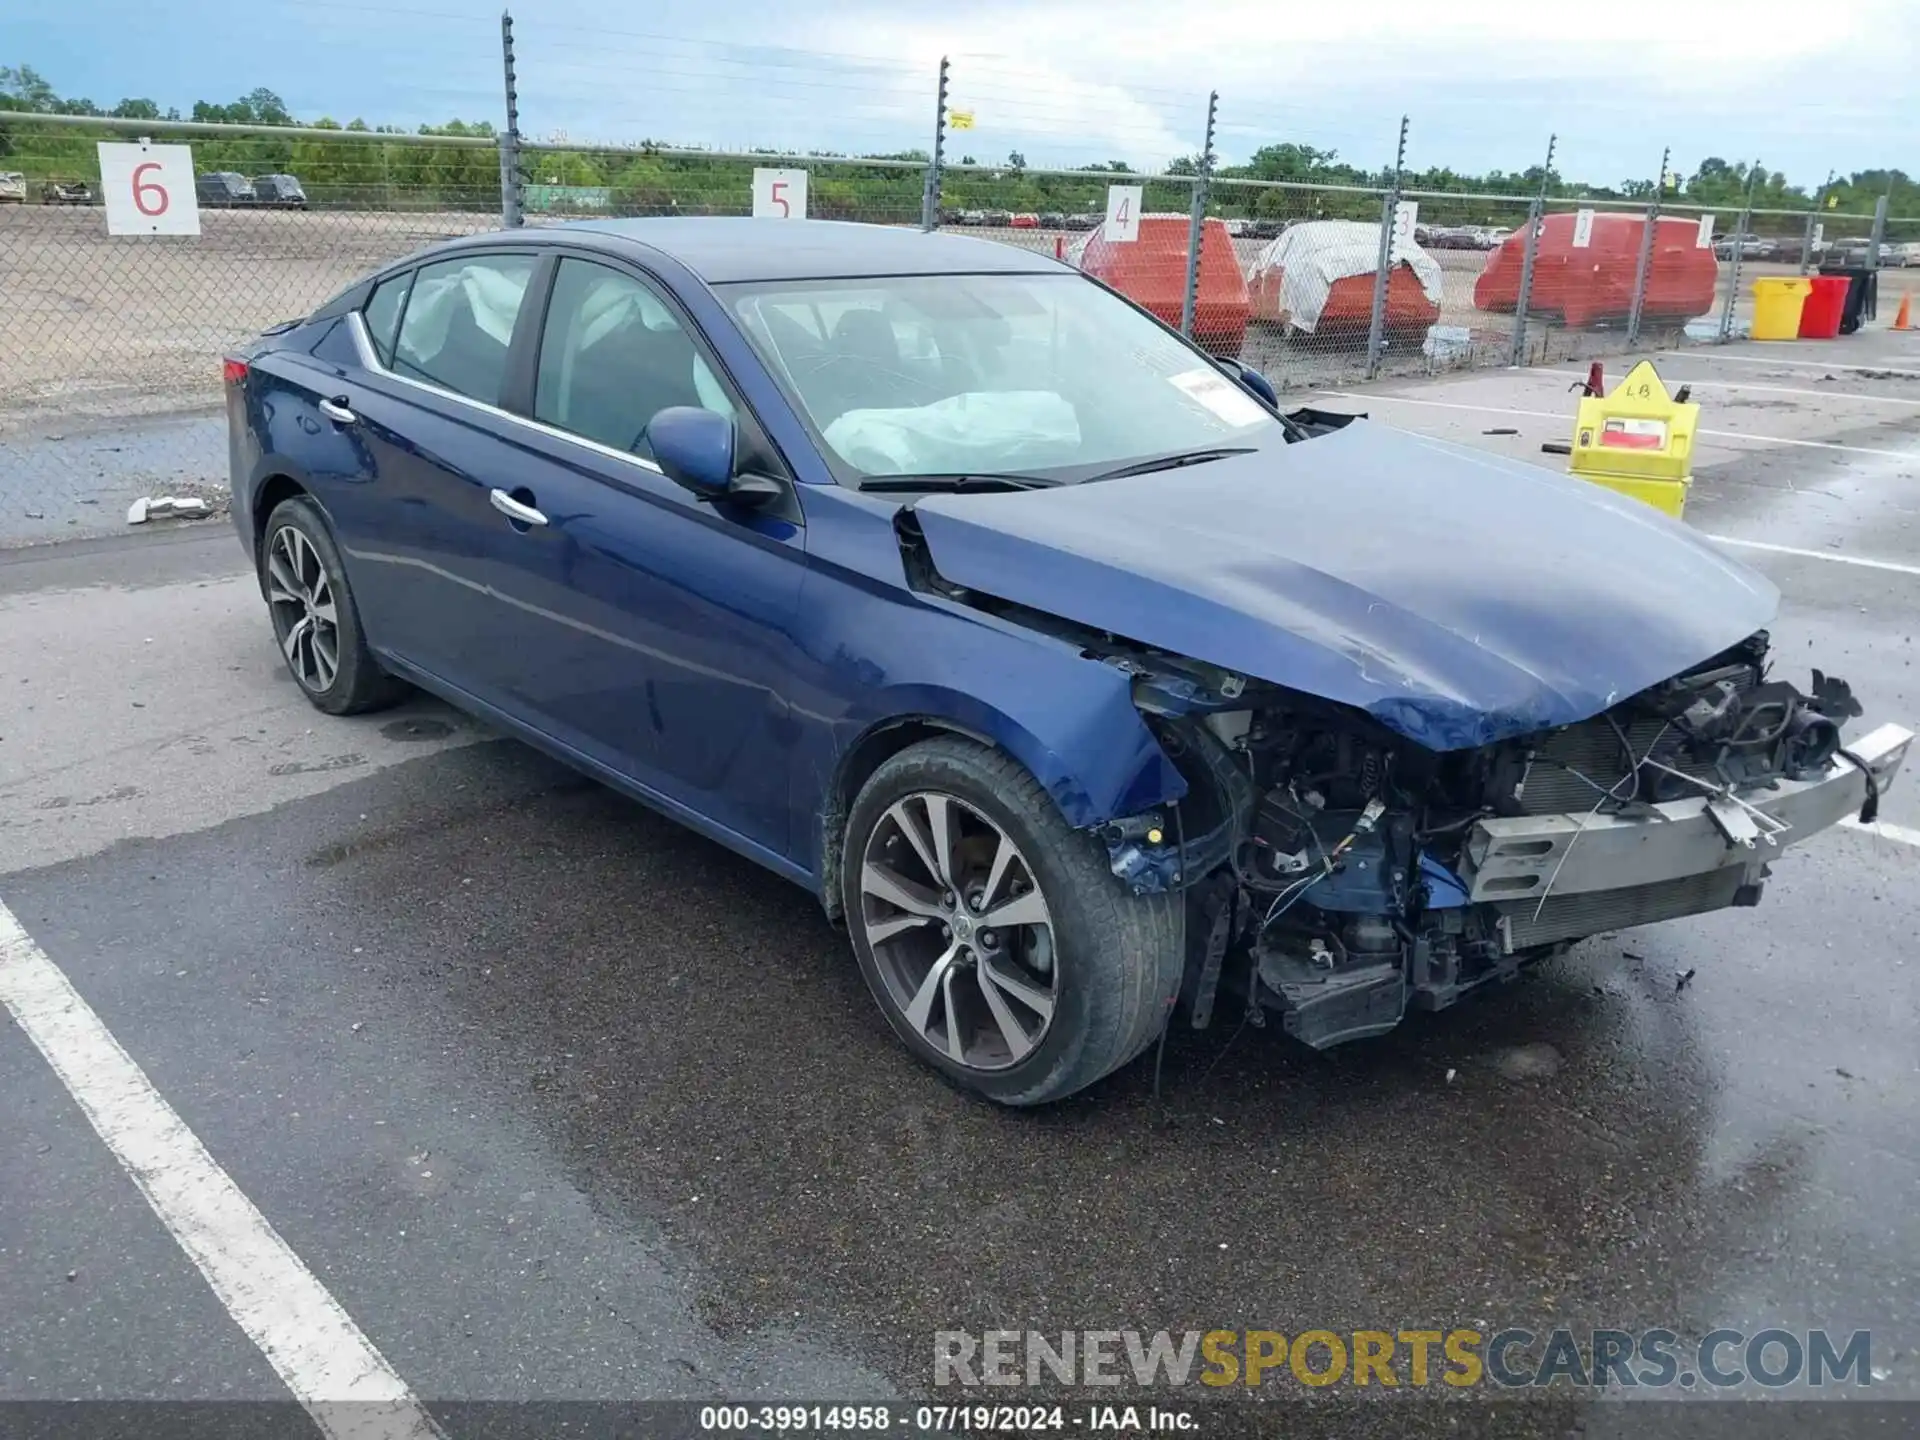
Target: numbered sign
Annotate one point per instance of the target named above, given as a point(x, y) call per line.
point(780, 194)
point(1123, 212)
point(1582, 229)
point(1704, 240)
point(148, 189)
point(1406, 215)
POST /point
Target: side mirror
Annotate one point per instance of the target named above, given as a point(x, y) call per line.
point(694, 447)
point(1251, 378)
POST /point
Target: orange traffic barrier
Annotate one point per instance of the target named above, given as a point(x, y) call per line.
point(1904, 320)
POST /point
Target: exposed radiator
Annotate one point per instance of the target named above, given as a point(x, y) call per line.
point(1592, 748)
point(1568, 917)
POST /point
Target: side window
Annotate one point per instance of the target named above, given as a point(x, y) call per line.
point(613, 356)
point(459, 320)
point(383, 314)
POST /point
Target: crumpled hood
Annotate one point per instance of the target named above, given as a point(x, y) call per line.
point(1456, 596)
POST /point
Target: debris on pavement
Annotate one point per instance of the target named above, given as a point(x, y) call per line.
point(1556, 447)
point(1680, 982)
point(163, 507)
point(1501, 430)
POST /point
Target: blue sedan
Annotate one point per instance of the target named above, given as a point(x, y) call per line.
point(1080, 683)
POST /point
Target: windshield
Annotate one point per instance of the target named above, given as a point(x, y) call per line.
point(1044, 376)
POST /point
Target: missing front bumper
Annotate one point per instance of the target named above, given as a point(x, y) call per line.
point(1522, 858)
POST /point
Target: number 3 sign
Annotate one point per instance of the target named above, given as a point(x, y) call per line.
point(780, 194)
point(148, 189)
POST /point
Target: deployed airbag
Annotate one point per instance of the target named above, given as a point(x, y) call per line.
point(963, 434)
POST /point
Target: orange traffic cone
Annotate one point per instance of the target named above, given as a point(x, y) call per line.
point(1904, 320)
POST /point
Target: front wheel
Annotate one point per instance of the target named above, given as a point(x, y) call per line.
point(999, 945)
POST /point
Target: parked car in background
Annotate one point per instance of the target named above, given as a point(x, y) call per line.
point(1085, 220)
point(13, 188)
point(1492, 237)
point(282, 192)
point(1318, 279)
point(1595, 282)
point(1151, 271)
point(1748, 246)
point(66, 192)
point(1858, 250)
point(1024, 220)
point(1906, 254)
point(1052, 220)
point(1032, 641)
point(224, 189)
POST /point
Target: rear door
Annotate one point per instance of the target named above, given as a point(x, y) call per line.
point(423, 543)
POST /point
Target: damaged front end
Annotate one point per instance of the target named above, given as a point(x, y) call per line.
point(1338, 872)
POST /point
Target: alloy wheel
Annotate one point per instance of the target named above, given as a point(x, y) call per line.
point(300, 594)
point(959, 930)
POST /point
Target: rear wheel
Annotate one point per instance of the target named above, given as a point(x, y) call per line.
point(314, 617)
point(999, 945)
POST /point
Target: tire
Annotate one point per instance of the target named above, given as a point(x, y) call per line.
point(303, 581)
point(1112, 959)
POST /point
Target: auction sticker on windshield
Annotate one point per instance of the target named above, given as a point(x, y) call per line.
point(1219, 395)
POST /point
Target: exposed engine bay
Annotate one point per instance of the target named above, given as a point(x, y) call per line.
point(1338, 872)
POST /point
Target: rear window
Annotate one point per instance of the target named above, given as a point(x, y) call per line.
point(383, 314)
point(458, 322)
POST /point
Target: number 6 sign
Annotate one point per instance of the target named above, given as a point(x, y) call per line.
point(780, 194)
point(148, 189)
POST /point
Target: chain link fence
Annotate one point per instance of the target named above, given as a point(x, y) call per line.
point(110, 345)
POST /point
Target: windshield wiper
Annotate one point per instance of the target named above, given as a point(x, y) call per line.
point(1170, 462)
point(954, 484)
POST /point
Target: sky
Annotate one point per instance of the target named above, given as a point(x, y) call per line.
point(1065, 83)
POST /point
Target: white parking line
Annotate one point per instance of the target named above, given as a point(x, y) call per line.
point(1704, 354)
point(1913, 454)
point(333, 1370)
point(1886, 830)
point(1781, 390)
point(1860, 560)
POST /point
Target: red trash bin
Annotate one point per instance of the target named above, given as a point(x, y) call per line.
point(1820, 316)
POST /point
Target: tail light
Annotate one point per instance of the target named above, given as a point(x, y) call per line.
point(234, 372)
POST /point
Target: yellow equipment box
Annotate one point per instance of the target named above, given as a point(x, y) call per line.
point(1638, 441)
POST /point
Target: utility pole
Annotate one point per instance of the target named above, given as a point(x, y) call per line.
point(1197, 220)
point(1739, 244)
point(1813, 223)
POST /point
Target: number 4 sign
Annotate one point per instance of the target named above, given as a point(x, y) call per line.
point(780, 194)
point(1123, 213)
point(148, 189)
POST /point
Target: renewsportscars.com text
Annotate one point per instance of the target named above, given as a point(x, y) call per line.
point(1459, 1358)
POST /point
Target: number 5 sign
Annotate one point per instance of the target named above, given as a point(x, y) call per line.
point(780, 194)
point(148, 189)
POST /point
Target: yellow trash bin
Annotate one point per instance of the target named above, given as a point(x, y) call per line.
point(1776, 306)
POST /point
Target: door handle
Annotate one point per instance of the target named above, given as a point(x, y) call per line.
point(514, 510)
point(337, 411)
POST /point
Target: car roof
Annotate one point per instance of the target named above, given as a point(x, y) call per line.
point(726, 248)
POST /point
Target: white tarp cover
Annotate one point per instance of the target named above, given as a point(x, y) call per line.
point(1313, 255)
point(1008, 429)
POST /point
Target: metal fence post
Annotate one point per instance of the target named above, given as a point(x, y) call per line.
point(1879, 231)
point(1383, 267)
point(1813, 219)
point(1646, 252)
point(1536, 216)
point(1739, 244)
point(1197, 221)
point(511, 214)
point(930, 198)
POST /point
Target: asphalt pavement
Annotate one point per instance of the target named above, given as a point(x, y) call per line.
point(558, 1101)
